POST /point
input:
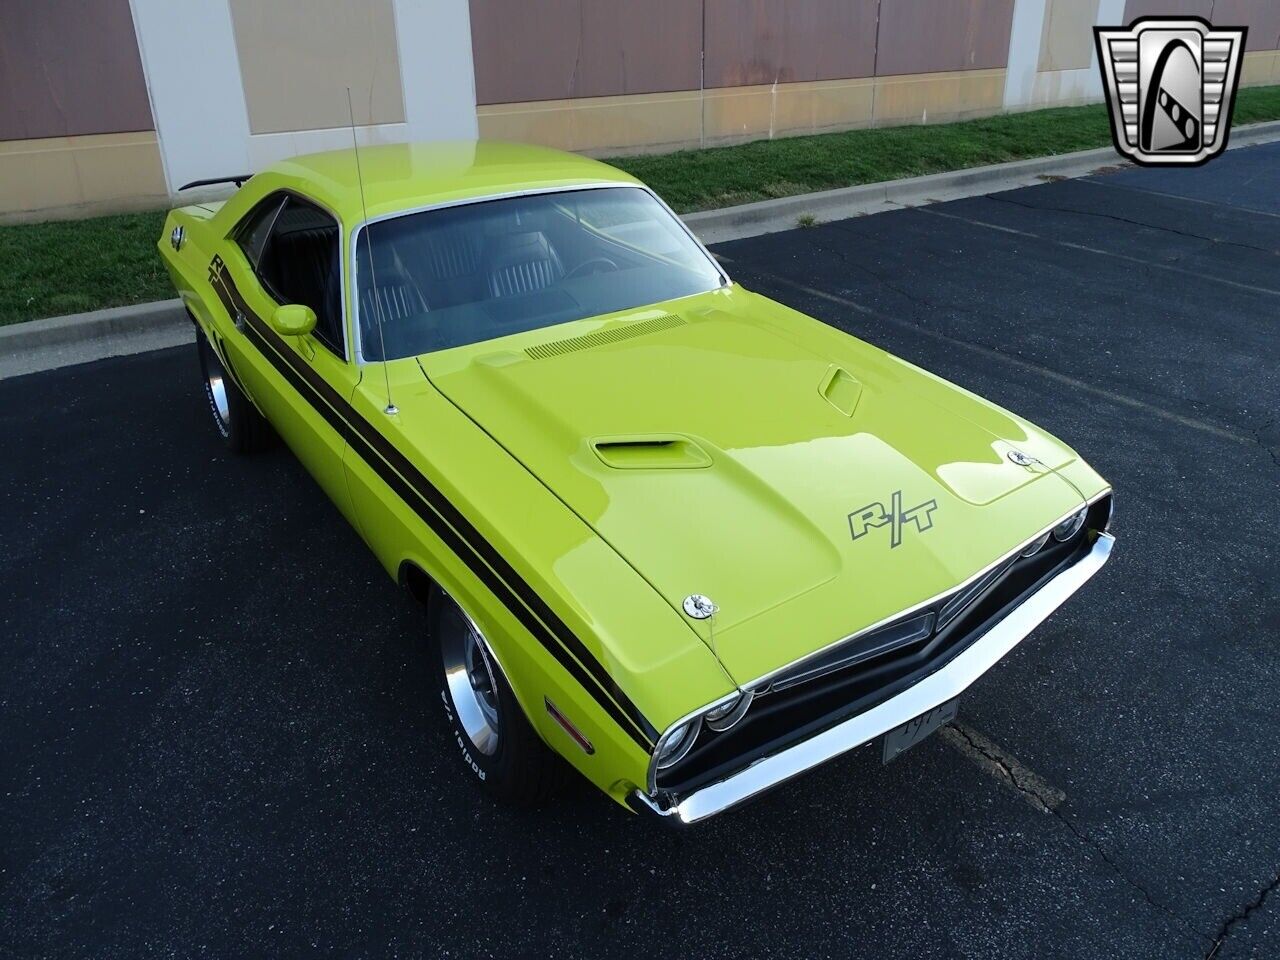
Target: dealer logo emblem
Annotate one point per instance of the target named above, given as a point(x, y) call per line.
point(1170, 83)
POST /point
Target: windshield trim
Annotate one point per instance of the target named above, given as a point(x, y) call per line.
point(357, 229)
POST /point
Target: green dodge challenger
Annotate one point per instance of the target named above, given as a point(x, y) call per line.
point(688, 539)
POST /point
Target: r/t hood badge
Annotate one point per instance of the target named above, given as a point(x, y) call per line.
point(874, 515)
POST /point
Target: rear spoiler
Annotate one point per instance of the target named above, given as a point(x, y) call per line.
point(237, 180)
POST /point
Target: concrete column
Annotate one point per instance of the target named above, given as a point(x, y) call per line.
point(437, 69)
point(197, 93)
point(1027, 85)
point(1024, 52)
point(193, 76)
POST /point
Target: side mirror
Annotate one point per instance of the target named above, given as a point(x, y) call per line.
point(293, 320)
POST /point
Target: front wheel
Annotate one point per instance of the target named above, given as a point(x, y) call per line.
point(494, 739)
point(244, 429)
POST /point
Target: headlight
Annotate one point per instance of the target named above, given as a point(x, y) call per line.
point(677, 743)
point(1034, 548)
point(1069, 527)
point(725, 716)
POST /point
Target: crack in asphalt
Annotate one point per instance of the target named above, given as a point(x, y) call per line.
point(1258, 435)
point(880, 278)
point(1094, 181)
point(1241, 915)
point(1035, 789)
point(1046, 803)
point(1000, 198)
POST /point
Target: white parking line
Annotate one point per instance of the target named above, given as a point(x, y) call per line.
point(1172, 268)
point(1092, 181)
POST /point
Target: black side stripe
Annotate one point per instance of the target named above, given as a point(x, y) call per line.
point(430, 504)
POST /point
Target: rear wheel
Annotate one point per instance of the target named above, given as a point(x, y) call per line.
point(494, 739)
point(238, 421)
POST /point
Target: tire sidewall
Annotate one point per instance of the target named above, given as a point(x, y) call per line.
point(245, 430)
point(225, 429)
point(493, 771)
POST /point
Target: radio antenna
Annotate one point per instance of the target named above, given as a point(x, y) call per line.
point(391, 409)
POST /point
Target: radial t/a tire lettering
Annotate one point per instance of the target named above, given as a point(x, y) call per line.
point(492, 738)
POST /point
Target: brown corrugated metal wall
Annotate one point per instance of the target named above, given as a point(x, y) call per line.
point(773, 41)
point(68, 68)
point(559, 49)
point(553, 49)
point(929, 36)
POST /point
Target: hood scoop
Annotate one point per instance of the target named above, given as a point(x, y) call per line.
point(664, 452)
point(625, 331)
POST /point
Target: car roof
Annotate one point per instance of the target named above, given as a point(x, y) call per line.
point(408, 176)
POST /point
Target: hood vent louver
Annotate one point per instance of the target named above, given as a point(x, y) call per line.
point(639, 328)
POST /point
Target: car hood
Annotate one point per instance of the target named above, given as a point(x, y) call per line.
point(729, 447)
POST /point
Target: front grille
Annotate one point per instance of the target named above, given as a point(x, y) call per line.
point(854, 676)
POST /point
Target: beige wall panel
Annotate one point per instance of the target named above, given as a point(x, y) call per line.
point(936, 97)
point(926, 36)
point(1066, 41)
point(787, 41)
point(69, 68)
point(1262, 17)
point(599, 123)
point(652, 121)
point(1064, 88)
point(740, 113)
point(87, 173)
point(554, 49)
point(1260, 68)
point(297, 58)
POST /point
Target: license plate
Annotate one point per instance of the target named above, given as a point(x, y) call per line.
point(903, 738)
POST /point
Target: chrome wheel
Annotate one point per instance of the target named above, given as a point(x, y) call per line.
point(471, 675)
point(215, 389)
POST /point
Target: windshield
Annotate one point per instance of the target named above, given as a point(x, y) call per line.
point(458, 275)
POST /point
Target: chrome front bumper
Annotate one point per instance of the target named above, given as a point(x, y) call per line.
point(933, 690)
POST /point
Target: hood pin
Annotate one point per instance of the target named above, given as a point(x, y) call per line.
point(699, 607)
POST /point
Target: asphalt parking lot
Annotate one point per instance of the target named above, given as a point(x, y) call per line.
point(218, 741)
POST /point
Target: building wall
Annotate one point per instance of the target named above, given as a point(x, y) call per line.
point(109, 104)
point(242, 103)
point(698, 72)
point(152, 94)
point(295, 83)
point(75, 121)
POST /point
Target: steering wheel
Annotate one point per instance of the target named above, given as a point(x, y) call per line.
point(594, 265)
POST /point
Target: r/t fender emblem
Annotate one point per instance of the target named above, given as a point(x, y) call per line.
point(864, 519)
point(217, 269)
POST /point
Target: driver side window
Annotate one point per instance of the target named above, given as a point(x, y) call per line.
point(293, 246)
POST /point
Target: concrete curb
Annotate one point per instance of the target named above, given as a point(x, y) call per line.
point(61, 341)
point(772, 216)
point(95, 325)
point(58, 341)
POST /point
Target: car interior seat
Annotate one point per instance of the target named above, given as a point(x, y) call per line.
point(387, 293)
point(522, 263)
